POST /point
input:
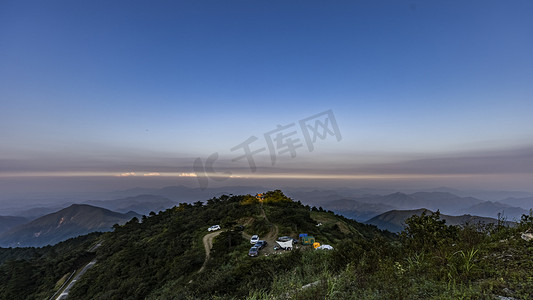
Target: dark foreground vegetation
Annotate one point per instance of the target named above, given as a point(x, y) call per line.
point(159, 257)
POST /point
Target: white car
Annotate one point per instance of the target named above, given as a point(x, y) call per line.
point(254, 239)
point(324, 247)
point(213, 228)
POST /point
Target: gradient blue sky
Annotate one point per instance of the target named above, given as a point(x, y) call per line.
point(432, 88)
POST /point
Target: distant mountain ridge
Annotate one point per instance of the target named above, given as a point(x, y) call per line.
point(364, 207)
point(141, 204)
point(525, 203)
point(8, 222)
point(394, 220)
point(75, 220)
point(33, 213)
point(447, 202)
point(357, 210)
point(489, 208)
point(309, 195)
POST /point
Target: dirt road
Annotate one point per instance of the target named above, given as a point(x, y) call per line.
point(208, 244)
point(271, 236)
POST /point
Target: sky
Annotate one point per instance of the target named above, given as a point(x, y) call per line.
point(118, 94)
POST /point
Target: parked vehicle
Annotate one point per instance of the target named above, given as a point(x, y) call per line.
point(287, 238)
point(254, 251)
point(285, 245)
point(261, 244)
point(254, 239)
point(214, 228)
point(324, 247)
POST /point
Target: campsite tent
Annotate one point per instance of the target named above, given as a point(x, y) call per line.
point(308, 240)
point(316, 245)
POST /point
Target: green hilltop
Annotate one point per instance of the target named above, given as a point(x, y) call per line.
point(163, 256)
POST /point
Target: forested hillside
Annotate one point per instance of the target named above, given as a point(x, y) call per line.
point(162, 256)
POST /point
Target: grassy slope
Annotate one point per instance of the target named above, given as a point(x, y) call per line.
point(463, 264)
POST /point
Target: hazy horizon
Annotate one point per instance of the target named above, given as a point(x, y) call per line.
point(103, 96)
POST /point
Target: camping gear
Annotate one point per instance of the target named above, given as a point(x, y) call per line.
point(308, 240)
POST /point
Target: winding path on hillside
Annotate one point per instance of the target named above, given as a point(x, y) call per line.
point(208, 244)
point(62, 292)
point(207, 240)
point(271, 235)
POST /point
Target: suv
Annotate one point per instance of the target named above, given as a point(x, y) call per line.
point(286, 239)
point(254, 239)
point(260, 244)
point(324, 247)
point(254, 251)
point(213, 228)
